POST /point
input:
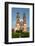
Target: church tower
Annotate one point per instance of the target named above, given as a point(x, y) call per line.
point(24, 23)
point(17, 21)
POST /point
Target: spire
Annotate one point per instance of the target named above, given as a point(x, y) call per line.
point(18, 15)
point(24, 16)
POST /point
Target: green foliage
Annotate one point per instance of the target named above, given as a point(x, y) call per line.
point(25, 34)
point(19, 34)
point(15, 35)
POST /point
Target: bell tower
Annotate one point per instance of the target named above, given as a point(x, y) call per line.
point(18, 21)
point(24, 23)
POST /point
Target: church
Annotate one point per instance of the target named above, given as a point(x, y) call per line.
point(21, 24)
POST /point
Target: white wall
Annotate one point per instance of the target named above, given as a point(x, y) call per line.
point(2, 12)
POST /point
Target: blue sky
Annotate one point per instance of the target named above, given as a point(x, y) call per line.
point(21, 12)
